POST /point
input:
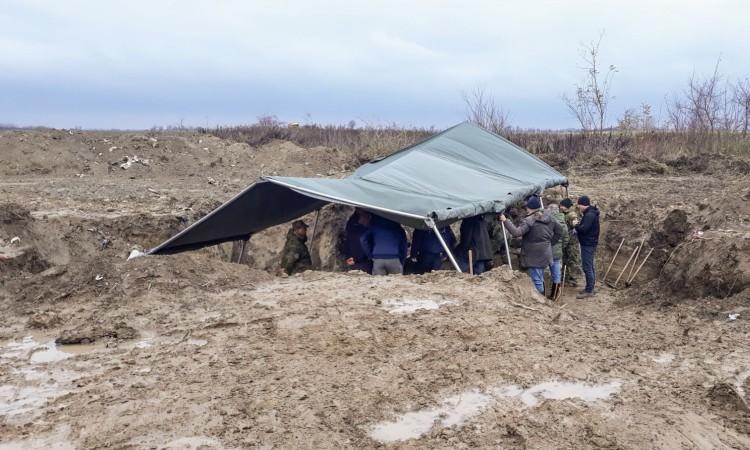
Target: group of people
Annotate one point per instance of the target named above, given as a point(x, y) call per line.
point(555, 237)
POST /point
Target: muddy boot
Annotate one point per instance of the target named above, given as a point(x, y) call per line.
point(584, 294)
point(554, 292)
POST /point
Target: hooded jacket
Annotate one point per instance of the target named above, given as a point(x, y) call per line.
point(557, 249)
point(538, 233)
point(588, 229)
point(384, 239)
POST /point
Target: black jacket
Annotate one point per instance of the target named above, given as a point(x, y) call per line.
point(475, 237)
point(588, 229)
point(352, 246)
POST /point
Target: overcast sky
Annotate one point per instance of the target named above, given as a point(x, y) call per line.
point(136, 64)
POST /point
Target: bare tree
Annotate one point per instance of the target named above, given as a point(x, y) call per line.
point(742, 100)
point(483, 110)
point(590, 102)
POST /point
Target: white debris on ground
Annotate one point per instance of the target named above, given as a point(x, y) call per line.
point(129, 161)
point(408, 305)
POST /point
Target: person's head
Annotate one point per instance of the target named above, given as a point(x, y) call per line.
point(566, 204)
point(583, 203)
point(533, 204)
point(299, 228)
point(553, 207)
point(365, 217)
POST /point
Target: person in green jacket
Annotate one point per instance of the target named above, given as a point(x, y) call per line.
point(295, 257)
point(571, 251)
point(557, 250)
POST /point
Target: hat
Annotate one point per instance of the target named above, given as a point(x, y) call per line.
point(566, 202)
point(298, 224)
point(584, 200)
point(533, 202)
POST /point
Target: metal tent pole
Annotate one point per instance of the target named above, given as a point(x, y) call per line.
point(242, 250)
point(507, 250)
point(312, 236)
point(431, 223)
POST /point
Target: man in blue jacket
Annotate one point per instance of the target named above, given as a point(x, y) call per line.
point(384, 243)
point(588, 236)
point(427, 250)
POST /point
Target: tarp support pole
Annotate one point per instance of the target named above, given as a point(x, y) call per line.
point(431, 223)
point(242, 250)
point(315, 228)
point(507, 250)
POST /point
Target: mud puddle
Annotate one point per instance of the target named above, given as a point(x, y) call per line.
point(35, 352)
point(459, 409)
point(409, 305)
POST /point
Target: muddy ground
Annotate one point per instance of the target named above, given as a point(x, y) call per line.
point(191, 351)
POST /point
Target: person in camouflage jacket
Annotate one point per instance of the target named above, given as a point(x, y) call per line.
point(295, 257)
point(557, 250)
point(571, 251)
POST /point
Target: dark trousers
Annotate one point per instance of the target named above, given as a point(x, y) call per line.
point(587, 264)
point(427, 262)
point(479, 266)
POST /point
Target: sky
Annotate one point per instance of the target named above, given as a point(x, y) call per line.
point(137, 64)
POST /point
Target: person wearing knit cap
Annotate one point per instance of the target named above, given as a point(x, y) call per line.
point(571, 252)
point(538, 233)
point(588, 238)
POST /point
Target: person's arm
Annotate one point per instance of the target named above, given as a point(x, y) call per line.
point(517, 231)
point(557, 232)
point(416, 242)
point(565, 234)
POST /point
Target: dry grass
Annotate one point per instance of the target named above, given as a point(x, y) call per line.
point(559, 147)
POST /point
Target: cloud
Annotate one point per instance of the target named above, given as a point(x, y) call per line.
point(99, 63)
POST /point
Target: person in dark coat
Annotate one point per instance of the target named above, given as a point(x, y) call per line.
point(588, 236)
point(427, 250)
point(538, 232)
point(356, 258)
point(385, 244)
point(474, 237)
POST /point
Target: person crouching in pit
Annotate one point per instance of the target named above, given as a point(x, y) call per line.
point(538, 233)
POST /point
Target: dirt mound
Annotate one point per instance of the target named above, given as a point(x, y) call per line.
point(124, 155)
point(87, 334)
point(725, 396)
point(672, 231)
point(716, 264)
point(714, 163)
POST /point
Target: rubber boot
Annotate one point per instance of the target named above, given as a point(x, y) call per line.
point(554, 291)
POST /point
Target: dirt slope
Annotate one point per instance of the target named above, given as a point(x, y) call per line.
point(190, 350)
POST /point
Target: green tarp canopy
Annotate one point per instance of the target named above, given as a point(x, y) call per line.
point(462, 172)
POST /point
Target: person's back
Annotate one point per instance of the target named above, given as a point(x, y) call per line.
point(538, 229)
point(427, 250)
point(356, 258)
point(475, 238)
point(385, 243)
